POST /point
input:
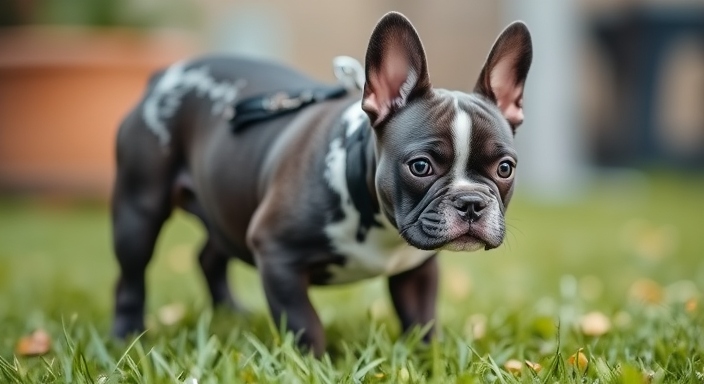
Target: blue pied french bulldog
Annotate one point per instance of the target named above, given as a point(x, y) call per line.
point(370, 183)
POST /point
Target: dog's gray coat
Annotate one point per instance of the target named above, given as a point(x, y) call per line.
point(340, 191)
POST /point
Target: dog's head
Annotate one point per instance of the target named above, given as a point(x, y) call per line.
point(445, 159)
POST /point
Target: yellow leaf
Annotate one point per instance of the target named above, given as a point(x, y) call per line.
point(579, 361)
point(534, 366)
point(513, 366)
point(36, 344)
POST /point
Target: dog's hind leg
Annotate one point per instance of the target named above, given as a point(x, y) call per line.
point(213, 263)
point(213, 258)
point(141, 202)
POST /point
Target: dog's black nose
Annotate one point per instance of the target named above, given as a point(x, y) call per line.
point(470, 206)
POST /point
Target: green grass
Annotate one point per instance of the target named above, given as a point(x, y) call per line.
point(633, 251)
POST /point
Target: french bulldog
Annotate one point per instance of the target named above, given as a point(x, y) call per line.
point(373, 183)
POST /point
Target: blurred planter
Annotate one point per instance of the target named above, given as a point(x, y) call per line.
point(63, 92)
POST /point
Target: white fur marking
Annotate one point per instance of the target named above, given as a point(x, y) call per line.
point(354, 117)
point(461, 134)
point(335, 169)
point(383, 252)
point(165, 97)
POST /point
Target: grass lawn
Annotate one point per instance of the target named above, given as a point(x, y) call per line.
point(619, 275)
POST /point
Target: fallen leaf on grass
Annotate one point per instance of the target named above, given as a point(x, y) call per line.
point(534, 366)
point(513, 366)
point(579, 361)
point(36, 344)
point(595, 324)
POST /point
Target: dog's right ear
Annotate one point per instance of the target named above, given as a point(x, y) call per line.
point(504, 74)
point(395, 68)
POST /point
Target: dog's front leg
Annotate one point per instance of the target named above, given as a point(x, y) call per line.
point(414, 293)
point(286, 290)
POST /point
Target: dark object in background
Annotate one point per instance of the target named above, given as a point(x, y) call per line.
point(636, 42)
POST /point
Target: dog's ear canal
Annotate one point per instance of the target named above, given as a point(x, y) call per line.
point(503, 76)
point(395, 68)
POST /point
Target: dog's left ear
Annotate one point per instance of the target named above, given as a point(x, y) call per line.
point(504, 74)
point(395, 68)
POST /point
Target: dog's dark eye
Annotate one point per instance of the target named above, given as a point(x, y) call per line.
point(420, 167)
point(505, 169)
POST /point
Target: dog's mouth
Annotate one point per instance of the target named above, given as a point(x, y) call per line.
point(436, 231)
point(466, 241)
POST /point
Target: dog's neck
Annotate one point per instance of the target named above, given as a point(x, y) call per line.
point(360, 172)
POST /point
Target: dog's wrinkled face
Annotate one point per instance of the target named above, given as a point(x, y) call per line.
point(446, 171)
point(445, 159)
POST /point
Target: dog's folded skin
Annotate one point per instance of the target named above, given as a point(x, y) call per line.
point(371, 184)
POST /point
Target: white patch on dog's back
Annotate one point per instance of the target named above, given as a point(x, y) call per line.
point(383, 251)
point(354, 117)
point(165, 97)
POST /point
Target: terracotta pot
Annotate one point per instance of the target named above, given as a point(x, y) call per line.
point(63, 92)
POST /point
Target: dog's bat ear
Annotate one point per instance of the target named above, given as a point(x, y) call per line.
point(395, 68)
point(503, 76)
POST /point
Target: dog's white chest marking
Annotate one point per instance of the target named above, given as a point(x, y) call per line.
point(166, 95)
point(383, 251)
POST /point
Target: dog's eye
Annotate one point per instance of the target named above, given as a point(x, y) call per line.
point(420, 167)
point(505, 169)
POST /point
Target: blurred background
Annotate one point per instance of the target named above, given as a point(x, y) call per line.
point(611, 153)
point(615, 84)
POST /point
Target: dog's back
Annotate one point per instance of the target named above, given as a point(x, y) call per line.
point(174, 138)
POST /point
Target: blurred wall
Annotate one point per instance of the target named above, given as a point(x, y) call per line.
point(49, 142)
point(62, 95)
point(456, 35)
